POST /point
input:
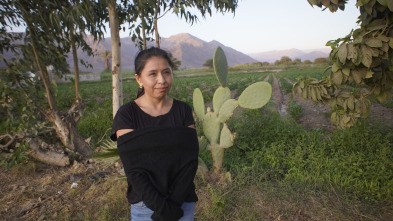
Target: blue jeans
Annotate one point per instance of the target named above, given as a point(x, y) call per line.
point(140, 212)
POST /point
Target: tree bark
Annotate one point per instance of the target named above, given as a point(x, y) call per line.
point(117, 90)
point(48, 157)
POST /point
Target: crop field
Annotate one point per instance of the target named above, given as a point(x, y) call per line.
point(288, 162)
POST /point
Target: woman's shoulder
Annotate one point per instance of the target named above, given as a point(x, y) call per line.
point(127, 108)
point(180, 103)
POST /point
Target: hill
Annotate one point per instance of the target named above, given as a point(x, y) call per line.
point(191, 51)
point(272, 56)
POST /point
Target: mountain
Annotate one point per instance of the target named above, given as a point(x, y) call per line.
point(272, 56)
point(190, 50)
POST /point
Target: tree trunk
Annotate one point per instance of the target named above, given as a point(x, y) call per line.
point(106, 63)
point(156, 24)
point(117, 90)
point(76, 67)
point(141, 10)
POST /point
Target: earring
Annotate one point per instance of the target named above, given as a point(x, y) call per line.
point(141, 85)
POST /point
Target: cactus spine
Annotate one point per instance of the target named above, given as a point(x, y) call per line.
point(214, 124)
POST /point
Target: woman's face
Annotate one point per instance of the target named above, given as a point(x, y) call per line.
point(156, 77)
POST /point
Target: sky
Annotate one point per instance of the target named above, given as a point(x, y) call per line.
point(266, 25)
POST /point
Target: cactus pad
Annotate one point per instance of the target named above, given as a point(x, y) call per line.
point(202, 143)
point(227, 109)
point(256, 95)
point(220, 65)
point(220, 96)
point(226, 137)
point(198, 103)
point(211, 127)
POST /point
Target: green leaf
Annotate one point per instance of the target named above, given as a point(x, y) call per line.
point(390, 5)
point(351, 103)
point(367, 56)
point(337, 77)
point(313, 94)
point(369, 74)
point(352, 53)
point(335, 67)
point(374, 42)
point(346, 71)
point(357, 76)
point(342, 53)
point(383, 2)
point(255, 95)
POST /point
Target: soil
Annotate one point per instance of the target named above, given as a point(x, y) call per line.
point(33, 191)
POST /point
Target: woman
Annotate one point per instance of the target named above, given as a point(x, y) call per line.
point(157, 144)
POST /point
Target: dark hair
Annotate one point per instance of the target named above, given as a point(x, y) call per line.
point(143, 56)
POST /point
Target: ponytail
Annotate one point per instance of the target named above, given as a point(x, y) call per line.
point(141, 91)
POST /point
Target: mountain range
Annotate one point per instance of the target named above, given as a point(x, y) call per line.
point(190, 50)
point(272, 56)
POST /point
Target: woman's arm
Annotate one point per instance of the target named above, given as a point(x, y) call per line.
point(122, 132)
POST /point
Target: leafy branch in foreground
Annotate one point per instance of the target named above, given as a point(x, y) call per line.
point(363, 60)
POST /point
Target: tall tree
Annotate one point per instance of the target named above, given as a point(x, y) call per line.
point(364, 57)
point(114, 24)
point(46, 44)
point(78, 17)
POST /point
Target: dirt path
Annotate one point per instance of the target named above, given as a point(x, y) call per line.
point(279, 98)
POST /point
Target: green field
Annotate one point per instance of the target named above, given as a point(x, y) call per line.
point(279, 169)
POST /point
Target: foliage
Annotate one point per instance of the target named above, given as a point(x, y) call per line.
point(321, 60)
point(214, 123)
point(208, 63)
point(176, 63)
point(364, 57)
point(18, 155)
point(20, 97)
point(143, 15)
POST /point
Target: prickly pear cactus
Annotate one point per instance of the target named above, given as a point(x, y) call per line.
point(214, 124)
